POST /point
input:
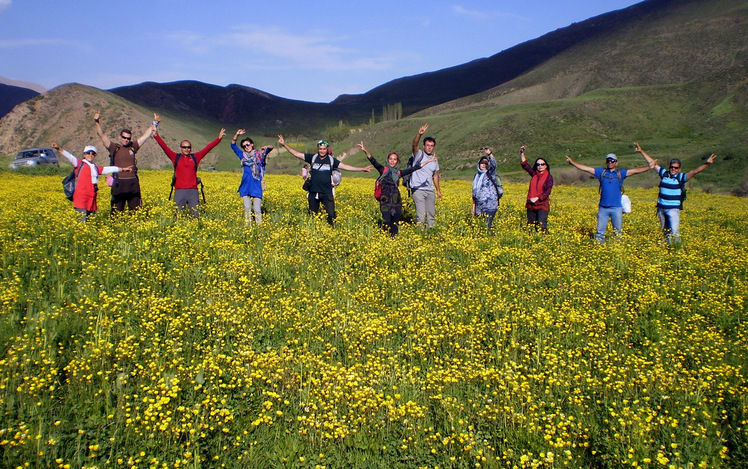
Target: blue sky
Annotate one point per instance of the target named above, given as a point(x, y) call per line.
point(307, 50)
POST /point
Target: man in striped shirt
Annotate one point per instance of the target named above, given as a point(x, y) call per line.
point(672, 190)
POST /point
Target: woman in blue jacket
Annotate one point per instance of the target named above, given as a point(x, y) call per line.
point(253, 176)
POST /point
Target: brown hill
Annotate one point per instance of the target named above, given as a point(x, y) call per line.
point(65, 115)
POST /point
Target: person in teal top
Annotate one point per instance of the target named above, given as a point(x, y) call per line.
point(672, 192)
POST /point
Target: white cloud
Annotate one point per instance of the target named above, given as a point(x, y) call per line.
point(4, 4)
point(264, 47)
point(14, 43)
point(477, 15)
point(18, 43)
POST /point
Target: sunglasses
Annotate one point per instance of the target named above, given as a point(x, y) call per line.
point(186, 146)
point(611, 161)
point(90, 153)
point(247, 145)
point(675, 167)
point(542, 164)
point(125, 138)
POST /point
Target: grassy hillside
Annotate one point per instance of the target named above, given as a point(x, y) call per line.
point(668, 121)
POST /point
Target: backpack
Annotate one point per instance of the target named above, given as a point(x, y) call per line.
point(335, 175)
point(682, 184)
point(497, 185)
point(174, 176)
point(111, 154)
point(115, 176)
point(406, 178)
point(116, 149)
point(378, 184)
point(620, 182)
point(68, 184)
point(625, 201)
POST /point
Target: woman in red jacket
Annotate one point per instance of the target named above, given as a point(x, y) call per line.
point(538, 204)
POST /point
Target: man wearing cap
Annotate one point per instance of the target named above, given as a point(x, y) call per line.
point(611, 187)
point(423, 182)
point(672, 192)
point(87, 179)
point(126, 185)
point(321, 166)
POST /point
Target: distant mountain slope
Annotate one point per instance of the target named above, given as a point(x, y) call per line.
point(242, 105)
point(429, 89)
point(23, 84)
point(235, 105)
point(11, 96)
point(701, 41)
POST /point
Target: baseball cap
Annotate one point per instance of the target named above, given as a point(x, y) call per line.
point(611, 156)
point(90, 148)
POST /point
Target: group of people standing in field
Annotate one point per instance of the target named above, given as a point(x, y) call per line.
point(420, 177)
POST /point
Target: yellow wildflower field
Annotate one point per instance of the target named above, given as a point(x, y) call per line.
point(157, 340)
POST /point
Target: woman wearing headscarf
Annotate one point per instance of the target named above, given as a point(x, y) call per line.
point(541, 183)
point(390, 202)
point(487, 188)
point(252, 185)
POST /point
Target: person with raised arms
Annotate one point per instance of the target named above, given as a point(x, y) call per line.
point(610, 207)
point(322, 164)
point(672, 192)
point(125, 184)
point(423, 184)
point(538, 202)
point(185, 169)
point(253, 175)
point(87, 179)
point(487, 188)
point(390, 201)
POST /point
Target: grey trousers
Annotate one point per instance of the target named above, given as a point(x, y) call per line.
point(425, 202)
point(252, 204)
point(188, 197)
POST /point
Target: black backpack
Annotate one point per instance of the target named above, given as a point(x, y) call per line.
point(174, 176)
point(68, 184)
point(620, 182)
point(681, 178)
point(406, 178)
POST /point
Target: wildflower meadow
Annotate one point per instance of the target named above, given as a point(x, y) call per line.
point(159, 341)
